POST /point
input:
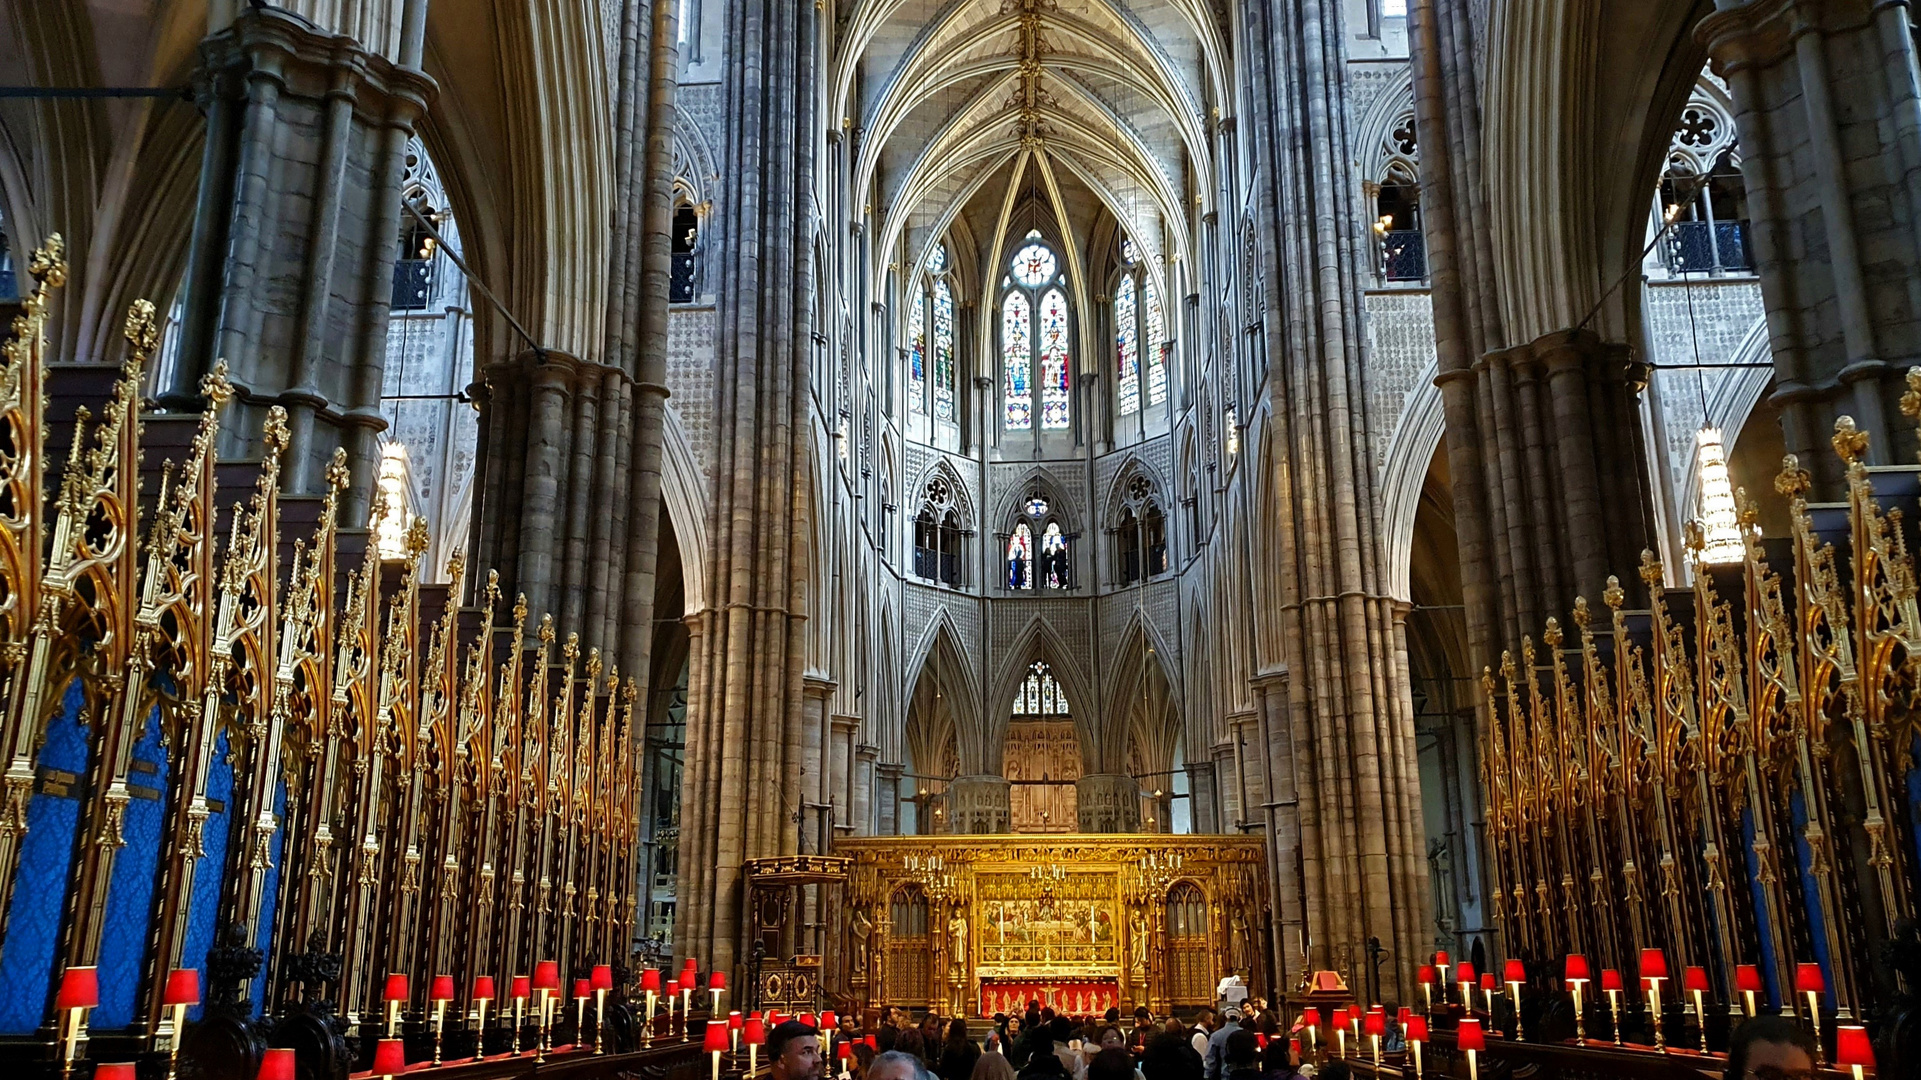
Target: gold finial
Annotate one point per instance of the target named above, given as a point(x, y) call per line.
point(593, 665)
point(1745, 511)
point(1581, 615)
point(1793, 480)
point(215, 387)
point(1692, 536)
point(337, 472)
point(546, 632)
point(520, 612)
point(276, 435)
point(49, 265)
point(417, 537)
point(1850, 442)
point(1651, 571)
point(143, 333)
point(1507, 664)
point(1612, 596)
point(1552, 635)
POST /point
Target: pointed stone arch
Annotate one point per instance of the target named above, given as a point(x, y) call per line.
point(941, 651)
point(1038, 640)
point(1141, 666)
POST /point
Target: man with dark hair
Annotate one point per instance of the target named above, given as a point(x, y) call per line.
point(1770, 1048)
point(1240, 1056)
point(1144, 1031)
point(1217, 1043)
point(1111, 1064)
point(793, 1051)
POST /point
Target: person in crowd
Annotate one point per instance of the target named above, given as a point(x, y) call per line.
point(1144, 1030)
point(1770, 1048)
point(1241, 1055)
point(895, 1065)
point(959, 1054)
point(993, 1067)
point(793, 1051)
point(1111, 1038)
point(1112, 1016)
point(1202, 1030)
point(1061, 1034)
point(1334, 1070)
point(887, 1036)
point(933, 1032)
point(1173, 1027)
point(1113, 1063)
point(1042, 1064)
point(1170, 1057)
point(1282, 1060)
point(908, 1041)
point(1036, 1038)
point(1217, 1042)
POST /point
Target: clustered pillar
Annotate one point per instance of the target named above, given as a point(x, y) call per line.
point(1342, 806)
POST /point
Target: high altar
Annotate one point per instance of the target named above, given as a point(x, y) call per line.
point(974, 925)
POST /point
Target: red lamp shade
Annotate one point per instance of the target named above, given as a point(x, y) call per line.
point(278, 1064)
point(828, 1020)
point(734, 1021)
point(1611, 979)
point(1464, 973)
point(1404, 1015)
point(390, 1057)
point(1808, 980)
point(1654, 964)
point(1469, 1035)
point(603, 977)
point(1426, 974)
point(1375, 1023)
point(717, 980)
point(873, 1043)
point(1310, 1018)
point(79, 988)
point(1516, 972)
point(547, 975)
point(1261, 1039)
point(443, 988)
point(673, 987)
point(396, 989)
point(1747, 978)
point(1851, 1047)
point(754, 1032)
point(1441, 960)
point(716, 1040)
point(183, 987)
point(483, 988)
point(114, 1070)
point(1695, 978)
point(523, 987)
point(650, 979)
point(846, 1051)
point(1577, 969)
point(1487, 981)
point(583, 988)
point(807, 1018)
point(690, 963)
point(1417, 1028)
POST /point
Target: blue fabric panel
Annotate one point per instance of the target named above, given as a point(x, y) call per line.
point(1762, 926)
point(136, 869)
point(203, 912)
point(1811, 892)
point(270, 895)
point(46, 863)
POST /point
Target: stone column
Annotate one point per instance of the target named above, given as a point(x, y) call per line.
point(1108, 803)
point(864, 779)
point(841, 785)
point(887, 798)
point(1829, 109)
point(980, 804)
point(290, 269)
point(745, 722)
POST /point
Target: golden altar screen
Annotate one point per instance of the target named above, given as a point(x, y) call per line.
point(973, 925)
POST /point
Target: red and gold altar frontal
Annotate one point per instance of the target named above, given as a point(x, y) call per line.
point(975, 925)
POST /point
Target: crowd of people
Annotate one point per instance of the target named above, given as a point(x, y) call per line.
point(1238, 1043)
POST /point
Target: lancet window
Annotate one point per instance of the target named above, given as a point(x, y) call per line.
point(937, 534)
point(1140, 532)
point(1140, 336)
point(1036, 340)
point(931, 375)
point(1037, 549)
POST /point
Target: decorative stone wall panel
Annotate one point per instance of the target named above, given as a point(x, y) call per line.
point(690, 378)
point(1400, 338)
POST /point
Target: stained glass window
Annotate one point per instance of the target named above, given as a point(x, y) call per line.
point(1020, 558)
point(917, 356)
point(1156, 345)
point(1018, 358)
point(1035, 266)
point(1054, 556)
point(1039, 694)
point(1036, 507)
point(1054, 360)
point(1127, 336)
point(943, 343)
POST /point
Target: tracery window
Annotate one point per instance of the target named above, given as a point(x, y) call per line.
point(1037, 549)
point(1702, 186)
point(931, 373)
point(1039, 695)
point(937, 534)
point(1140, 335)
point(1036, 340)
point(1140, 532)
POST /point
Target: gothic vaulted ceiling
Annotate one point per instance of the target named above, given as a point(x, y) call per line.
point(1103, 100)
